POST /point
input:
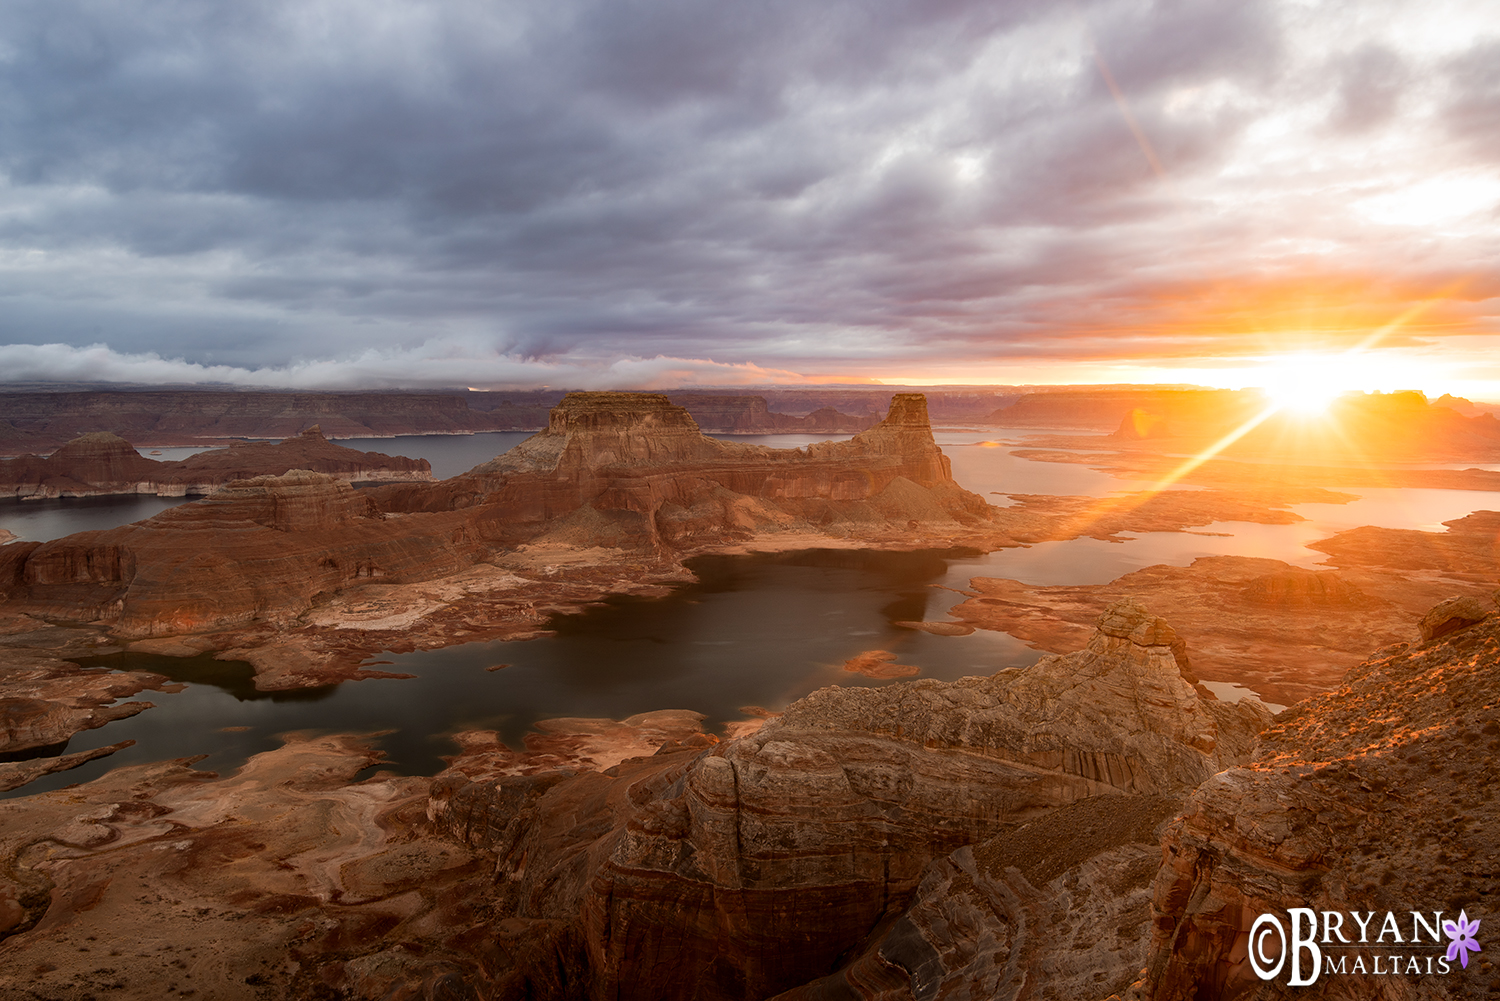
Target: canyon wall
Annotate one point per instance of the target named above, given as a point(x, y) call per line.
point(41, 421)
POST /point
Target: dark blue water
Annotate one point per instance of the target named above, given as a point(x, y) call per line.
point(44, 520)
point(754, 631)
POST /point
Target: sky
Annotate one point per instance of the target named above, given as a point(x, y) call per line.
point(658, 193)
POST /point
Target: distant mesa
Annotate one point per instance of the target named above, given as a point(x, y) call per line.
point(1370, 427)
point(752, 415)
point(102, 463)
point(1139, 411)
point(40, 421)
point(1141, 424)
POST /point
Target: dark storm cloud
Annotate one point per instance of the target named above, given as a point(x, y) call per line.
point(388, 185)
point(1473, 110)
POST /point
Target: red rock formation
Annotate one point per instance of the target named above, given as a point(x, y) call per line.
point(98, 463)
point(1376, 797)
point(102, 463)
point(1283, 631)
point(258, 549)
point(749, 867)
point(628, 471)
point(631, 468)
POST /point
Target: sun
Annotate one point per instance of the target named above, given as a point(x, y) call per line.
point(1305, 385)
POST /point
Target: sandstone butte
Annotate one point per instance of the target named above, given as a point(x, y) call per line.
point(101, 463)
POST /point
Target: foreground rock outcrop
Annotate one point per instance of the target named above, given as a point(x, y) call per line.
point(746, 868)
point(1005, 837)
point(1374, 798)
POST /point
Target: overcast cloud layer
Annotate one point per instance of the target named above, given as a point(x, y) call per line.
point(352, 193)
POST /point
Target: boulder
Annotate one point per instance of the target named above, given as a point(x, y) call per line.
point(1455, 614)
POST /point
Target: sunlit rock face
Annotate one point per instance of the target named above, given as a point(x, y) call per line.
point(1377, 797)
point(752, 866)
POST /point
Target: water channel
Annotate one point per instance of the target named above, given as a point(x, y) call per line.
point(753, 631)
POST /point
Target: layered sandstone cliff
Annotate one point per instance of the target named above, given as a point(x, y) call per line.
point(745, 868)
point(258, 549)
point(101, 463)
point(632, 469)
point(1373, 798)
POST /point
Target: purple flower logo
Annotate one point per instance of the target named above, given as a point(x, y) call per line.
point(1462, 934)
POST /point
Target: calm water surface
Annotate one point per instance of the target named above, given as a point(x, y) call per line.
point(757, 630)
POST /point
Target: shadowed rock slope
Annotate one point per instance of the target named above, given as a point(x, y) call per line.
point(1376, 797)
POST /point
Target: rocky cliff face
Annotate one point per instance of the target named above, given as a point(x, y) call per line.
point(746, 868)
point(1373, 798)
point(102, 463)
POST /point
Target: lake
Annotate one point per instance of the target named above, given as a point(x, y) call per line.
point(708, 646)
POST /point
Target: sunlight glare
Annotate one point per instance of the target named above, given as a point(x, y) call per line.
point(1305, 385)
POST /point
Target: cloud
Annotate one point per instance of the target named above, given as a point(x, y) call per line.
point(291, 190)
point(431, 364)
